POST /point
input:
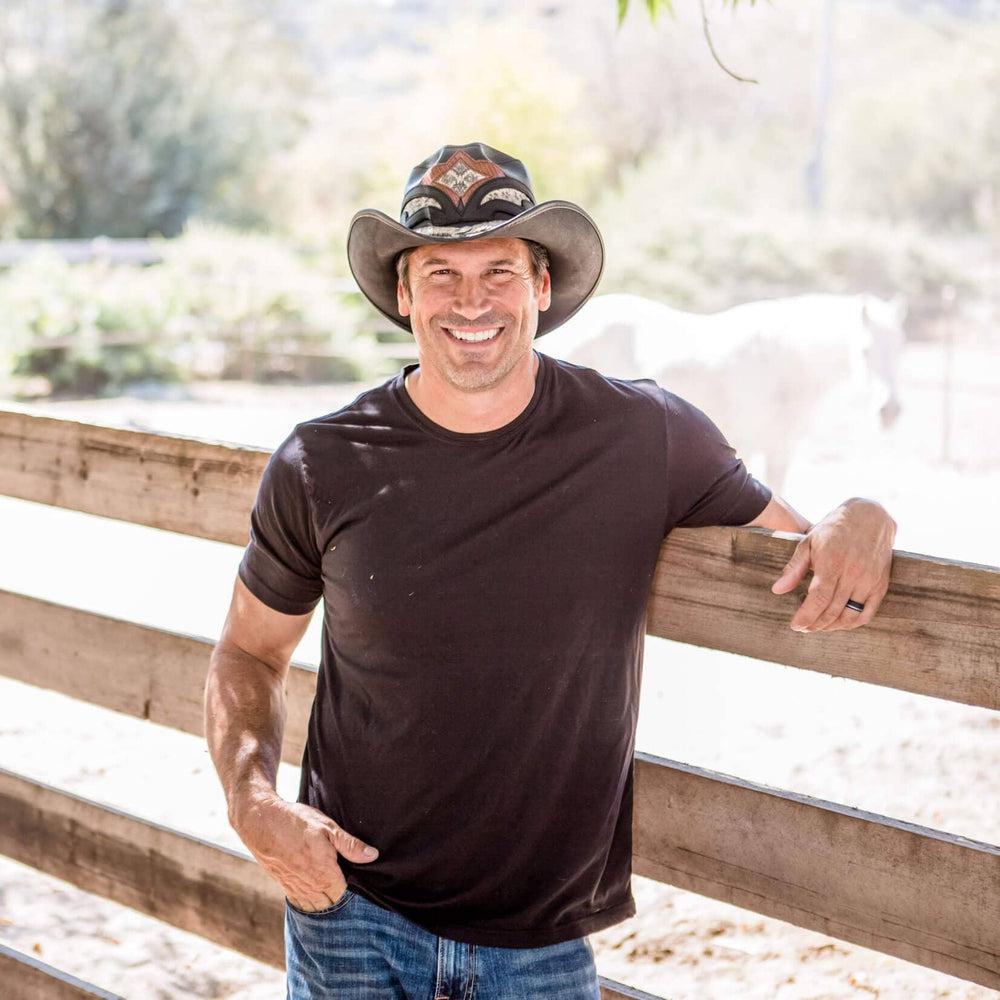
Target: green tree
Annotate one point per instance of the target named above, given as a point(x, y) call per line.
point(924, 145)
point(114, 120)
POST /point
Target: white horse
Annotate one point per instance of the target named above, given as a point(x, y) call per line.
point(759, 370)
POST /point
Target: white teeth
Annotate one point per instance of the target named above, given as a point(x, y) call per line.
point(477, 336)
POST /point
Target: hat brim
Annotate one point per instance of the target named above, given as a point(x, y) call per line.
point(576, 256)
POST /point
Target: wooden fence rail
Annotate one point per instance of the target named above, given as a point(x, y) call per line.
point(26, 978)
point(140, 671)
point(929, 897)
point(768, 850)
point(936, 633)
point(219, 894)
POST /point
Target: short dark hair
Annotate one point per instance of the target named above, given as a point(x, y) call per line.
point(539, 263)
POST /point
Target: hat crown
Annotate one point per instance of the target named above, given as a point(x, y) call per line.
point(460, 190)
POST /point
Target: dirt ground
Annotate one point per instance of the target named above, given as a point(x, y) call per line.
point(913, 758)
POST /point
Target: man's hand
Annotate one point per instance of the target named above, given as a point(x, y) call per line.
point(850, 554)
point(299, 847)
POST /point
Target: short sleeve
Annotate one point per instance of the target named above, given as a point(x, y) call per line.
point(281, 565)
point(707, 482)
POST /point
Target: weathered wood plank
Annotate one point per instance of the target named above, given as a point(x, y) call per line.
point(145, 672)
point(928, 897)
point(610, 990)
point(222, 895)
point(26, 978)
point(195, 885)
point(936, 633)
point(196, 487)
point(700, 595)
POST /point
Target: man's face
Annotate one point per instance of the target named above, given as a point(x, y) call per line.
point(480, 289)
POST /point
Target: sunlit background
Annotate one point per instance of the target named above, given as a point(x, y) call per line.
point(792, 254)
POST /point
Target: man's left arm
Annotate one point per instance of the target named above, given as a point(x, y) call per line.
point(850, 554)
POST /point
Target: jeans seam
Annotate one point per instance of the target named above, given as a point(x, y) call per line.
point(469, 993)
point(438, 985)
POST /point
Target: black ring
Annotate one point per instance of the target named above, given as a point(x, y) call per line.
point(855, 605)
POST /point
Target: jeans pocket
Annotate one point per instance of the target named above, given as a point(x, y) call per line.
point(338, 904)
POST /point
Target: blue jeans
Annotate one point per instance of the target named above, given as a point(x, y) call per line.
point(357, 950)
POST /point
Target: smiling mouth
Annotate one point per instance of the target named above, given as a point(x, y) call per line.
point(473, 336)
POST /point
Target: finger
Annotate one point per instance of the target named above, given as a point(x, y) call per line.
point(849, 617)
point(875, 599)
point(795, 569)
point(309, 901)
point(837, 610)
point(333, 893)
point(309, 891)
point(350, 847)
point(818, 597)
point(336, 892)
point(871, 603)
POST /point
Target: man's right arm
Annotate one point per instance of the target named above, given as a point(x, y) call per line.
point(245, 699)
point(244, 726)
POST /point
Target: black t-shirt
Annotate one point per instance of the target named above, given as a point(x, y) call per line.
point(484, 620)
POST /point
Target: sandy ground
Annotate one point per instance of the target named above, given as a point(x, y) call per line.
point(901, 755)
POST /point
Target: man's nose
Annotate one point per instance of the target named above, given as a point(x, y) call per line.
point(472, 298)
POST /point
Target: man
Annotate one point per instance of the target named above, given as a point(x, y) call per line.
point(483, 529)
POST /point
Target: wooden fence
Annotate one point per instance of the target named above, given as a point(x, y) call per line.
point(923, 895)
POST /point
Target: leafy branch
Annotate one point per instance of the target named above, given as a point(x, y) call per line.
point(655, 6)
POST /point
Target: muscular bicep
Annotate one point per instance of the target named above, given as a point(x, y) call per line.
point(268, 635)
point(779, 516)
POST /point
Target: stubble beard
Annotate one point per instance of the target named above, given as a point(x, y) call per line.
point(476, 376)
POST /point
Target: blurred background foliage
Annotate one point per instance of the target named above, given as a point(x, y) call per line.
point(127, 117)
point(217, 304)
point(242, 137)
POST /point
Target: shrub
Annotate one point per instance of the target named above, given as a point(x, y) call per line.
point(219, 304)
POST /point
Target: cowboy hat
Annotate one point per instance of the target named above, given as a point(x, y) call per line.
point(471, 192)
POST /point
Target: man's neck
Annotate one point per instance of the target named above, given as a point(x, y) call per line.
point(472, 412)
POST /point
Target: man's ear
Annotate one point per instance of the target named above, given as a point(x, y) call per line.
point(545, 292)
point(402, 299)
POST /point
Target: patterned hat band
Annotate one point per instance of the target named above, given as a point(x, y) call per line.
point(470, 229)
point(508, 194)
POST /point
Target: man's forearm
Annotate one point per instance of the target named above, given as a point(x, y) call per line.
point(244, 725)
point(780, 515)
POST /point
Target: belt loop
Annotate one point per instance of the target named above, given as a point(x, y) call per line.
point(440, 986)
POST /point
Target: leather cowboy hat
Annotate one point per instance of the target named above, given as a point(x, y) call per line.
point(470, 192)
